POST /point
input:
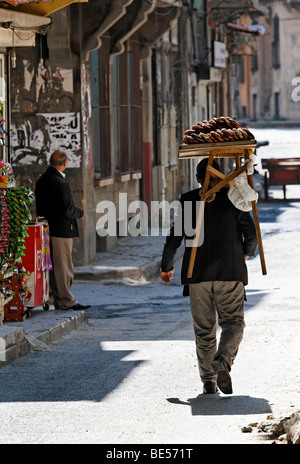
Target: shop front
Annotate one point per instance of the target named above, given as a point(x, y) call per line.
point(24, 240)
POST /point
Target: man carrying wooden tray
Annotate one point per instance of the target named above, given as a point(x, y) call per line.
point(219, 275)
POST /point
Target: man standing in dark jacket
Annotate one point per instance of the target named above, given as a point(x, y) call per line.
point(218, 279)
point(54, 202)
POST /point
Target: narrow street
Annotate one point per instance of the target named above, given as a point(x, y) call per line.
point(129, 376)
point(106, 107)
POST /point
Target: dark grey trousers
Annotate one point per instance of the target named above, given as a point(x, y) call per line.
point(209, 299)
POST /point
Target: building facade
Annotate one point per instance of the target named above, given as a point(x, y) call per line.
point(115, 84)
point(276, 70)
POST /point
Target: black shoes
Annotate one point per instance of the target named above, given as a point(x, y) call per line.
point(209, 387)
point(75, 307)
point(78, 307)
point(221, 368)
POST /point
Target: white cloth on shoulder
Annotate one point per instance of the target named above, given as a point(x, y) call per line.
point(242, 195)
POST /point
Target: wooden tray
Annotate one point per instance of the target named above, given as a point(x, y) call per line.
point(220, 149)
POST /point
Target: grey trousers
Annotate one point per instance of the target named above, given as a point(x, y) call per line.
point(208, 299)
point(61, 277)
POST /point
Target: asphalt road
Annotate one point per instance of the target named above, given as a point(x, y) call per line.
point(130, 376)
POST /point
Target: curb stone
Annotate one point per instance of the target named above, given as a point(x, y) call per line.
point(17, 341)
point(99, 272)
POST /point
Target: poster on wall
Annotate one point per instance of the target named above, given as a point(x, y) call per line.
point(34, 137)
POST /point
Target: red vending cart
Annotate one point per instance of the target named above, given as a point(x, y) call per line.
point(31, 282)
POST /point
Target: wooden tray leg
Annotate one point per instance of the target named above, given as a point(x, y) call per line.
point(196, 239)
point(199, 220)
point(257, 227)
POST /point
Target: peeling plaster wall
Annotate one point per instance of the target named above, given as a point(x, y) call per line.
point(47, 94)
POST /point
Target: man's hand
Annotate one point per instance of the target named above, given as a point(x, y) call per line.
point(246, 257)
point(166, 277)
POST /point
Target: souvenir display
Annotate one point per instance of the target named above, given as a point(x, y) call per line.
point(24, 251)
point(7, 178)
point(4, 232)
point(15, 215)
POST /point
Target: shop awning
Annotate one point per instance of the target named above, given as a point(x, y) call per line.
point(39, 7)
point(18, 29)
point(21, 20)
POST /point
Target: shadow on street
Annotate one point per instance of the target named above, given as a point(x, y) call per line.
point(215, 405)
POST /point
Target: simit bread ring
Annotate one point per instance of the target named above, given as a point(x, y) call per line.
point(210, 126)
point(251, 136)
point(203, 129)
point(215, 136)
point(228, 133)
point(232, 134)
point(224, 122)
point(207, 138)
point(228, 122)
point(206, 128)
point(213, 124)
point(239, 134)
point(197, 138)
point(235, 123)
point(196, 128)
point(223, 134)
point(201, 138)
point(245, 135)
point(217, 123)
point(189, 139)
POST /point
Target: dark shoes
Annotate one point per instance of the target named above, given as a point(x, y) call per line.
point(221, 368)
point(79, 307)
point(76, 307)
point(209, 387)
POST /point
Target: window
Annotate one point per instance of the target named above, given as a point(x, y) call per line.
point(2, 86)
point(2, 109)
point(121, 112)
point(254, 63)
point(242, 70)
point(127, 109)
point(277, 104)
point(135, 108)
point(101, 109)
point(276, 43)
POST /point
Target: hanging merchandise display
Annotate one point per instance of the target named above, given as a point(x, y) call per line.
point(24, 251)
point(15, 215)
point(7, 179)
point(18, 200)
